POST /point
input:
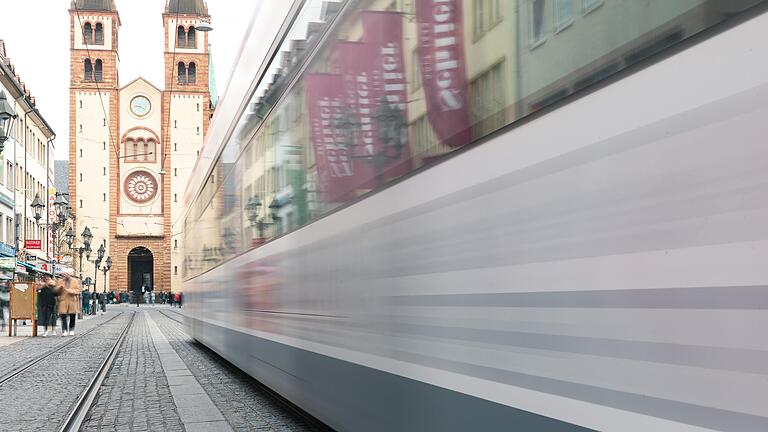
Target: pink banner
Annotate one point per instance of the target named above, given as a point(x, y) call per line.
point(444, 77)
point(383, 37)
point(325, 101)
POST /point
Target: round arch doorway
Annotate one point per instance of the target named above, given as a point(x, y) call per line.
point(140, 268)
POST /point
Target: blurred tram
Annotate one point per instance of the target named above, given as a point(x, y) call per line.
point(458, 215)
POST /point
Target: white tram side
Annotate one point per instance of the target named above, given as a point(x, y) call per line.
point(600, 265)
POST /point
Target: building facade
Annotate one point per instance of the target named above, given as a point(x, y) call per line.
point(133, 146)
point(26, 170)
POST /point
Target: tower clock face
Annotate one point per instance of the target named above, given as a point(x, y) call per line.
point(140, 106)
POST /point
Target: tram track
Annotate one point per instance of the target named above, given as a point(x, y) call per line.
point(30, 363)
point(79, 411)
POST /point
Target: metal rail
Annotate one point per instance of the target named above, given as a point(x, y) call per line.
point(9, 376)
point(76, 417)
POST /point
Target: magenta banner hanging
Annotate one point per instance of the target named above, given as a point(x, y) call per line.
point(335, 172)
point(383, 38)
point(443, 71)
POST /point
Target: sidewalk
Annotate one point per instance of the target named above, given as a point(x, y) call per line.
point(25, 331)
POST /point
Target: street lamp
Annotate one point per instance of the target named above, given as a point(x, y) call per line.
point(204, 26)
point(7, 116)
point(85, 248)
point(70, 236)
point(87, 237)
point(253, 207)
point(105, 269)
point(392, 129)
point(37, 205)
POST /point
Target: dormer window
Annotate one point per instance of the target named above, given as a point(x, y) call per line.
point(99, 34)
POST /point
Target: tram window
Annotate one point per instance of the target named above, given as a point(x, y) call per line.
point(565, 46)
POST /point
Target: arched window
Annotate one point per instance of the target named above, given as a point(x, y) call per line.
point(130, 151)
point(87, 33)
point(99, 75)
point(151, 147)
point(181, 38)
point(192, 73)
point(191, 38)
point(99, 34)
point(87, 70)
point(182, 73)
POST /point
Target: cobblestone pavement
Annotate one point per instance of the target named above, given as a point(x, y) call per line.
point(244, 403)
point(41, 397)
point(135, 396)
point(21, 352)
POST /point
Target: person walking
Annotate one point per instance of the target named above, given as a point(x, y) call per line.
point(138, 293)
point(103, 302)
point(68, 290)
point(46, 302)
point(86, 302)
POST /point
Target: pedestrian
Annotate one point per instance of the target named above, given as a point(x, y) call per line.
point(5, 301)
point(138, 293)
point(177, 299)
point(103, 302)
point(152, 298)
point(46, 303)
point(94, 301)
point(68, 290)
point(86, 302)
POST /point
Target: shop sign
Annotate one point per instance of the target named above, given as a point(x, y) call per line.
point(7, 250)
point(33, 244)
point(7, 263)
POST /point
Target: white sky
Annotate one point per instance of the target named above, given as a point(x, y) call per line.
point(36, 34)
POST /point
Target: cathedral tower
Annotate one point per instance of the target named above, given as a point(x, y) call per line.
point(187, 101)
point(93, 118)
point(132, 148)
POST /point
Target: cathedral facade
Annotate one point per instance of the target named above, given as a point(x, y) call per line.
point(133, 146)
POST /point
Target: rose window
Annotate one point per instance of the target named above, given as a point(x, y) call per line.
point(141, 186)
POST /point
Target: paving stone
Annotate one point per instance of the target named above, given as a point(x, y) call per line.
point(42, 396)
point(242, 401)
point(135, 395)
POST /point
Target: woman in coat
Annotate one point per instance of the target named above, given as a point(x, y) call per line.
point(46, 300)
point(69, 306)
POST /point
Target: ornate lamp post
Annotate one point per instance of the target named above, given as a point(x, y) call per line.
point(253, 207)
point(70, 237)
point(7, 116)
point(63, 212)
point(105, 269)
point(97, 263)
point(392, 127)
point(85, 248)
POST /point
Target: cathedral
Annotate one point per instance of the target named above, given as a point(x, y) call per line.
point(133, 146)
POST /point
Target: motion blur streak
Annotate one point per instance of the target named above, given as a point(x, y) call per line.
point(600, 266)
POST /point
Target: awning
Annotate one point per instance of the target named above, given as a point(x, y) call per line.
point(33, 268)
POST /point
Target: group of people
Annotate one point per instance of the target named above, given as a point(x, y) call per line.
point(64, 298)
point(59, 297)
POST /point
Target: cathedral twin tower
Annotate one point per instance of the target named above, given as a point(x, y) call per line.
point(133, 148)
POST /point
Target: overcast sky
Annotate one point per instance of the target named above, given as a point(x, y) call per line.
point(36, 34)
